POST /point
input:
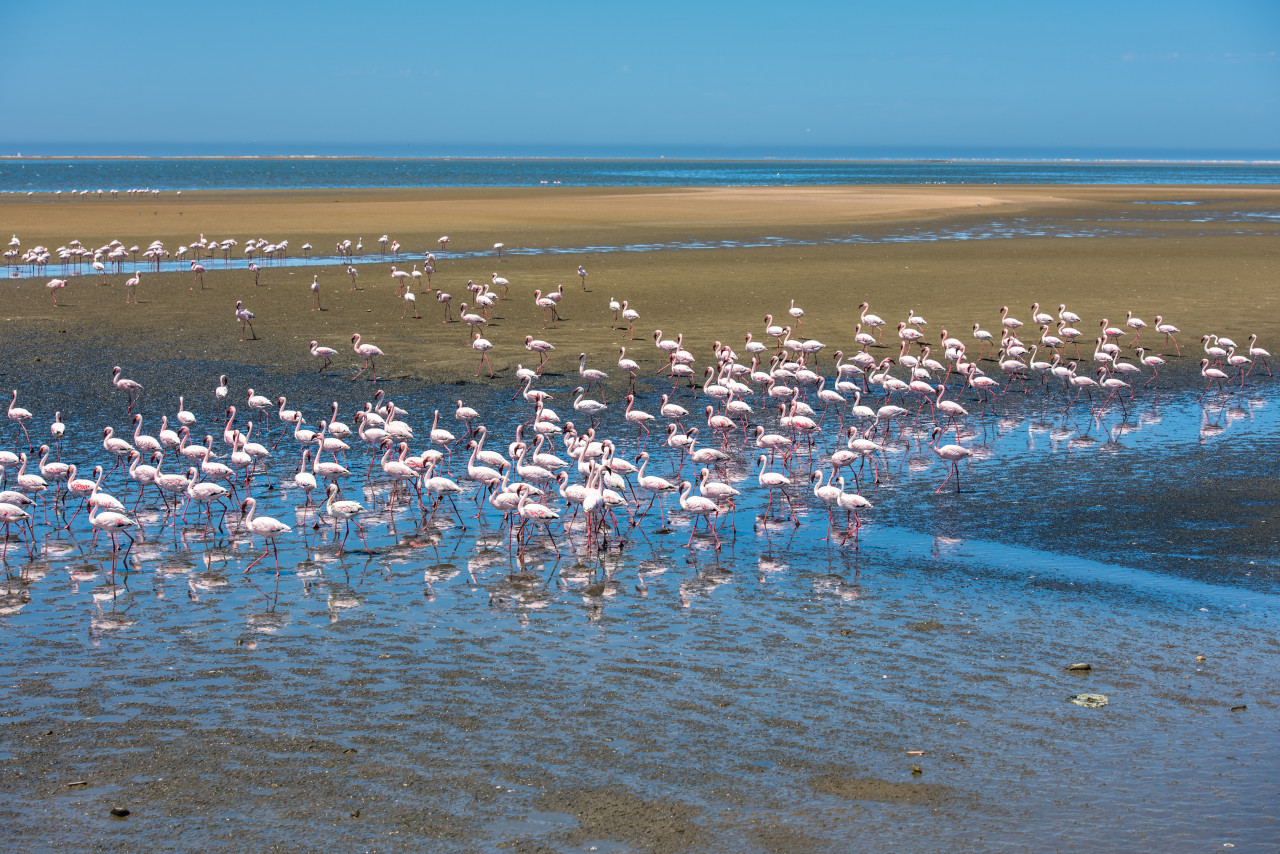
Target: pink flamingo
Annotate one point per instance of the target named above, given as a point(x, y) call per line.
point(129, 387)
point(1167, 330)
point(326, 354)
point(265, 527)
point(132, 285)
point(950, 454)
point(701, 508)
point(482, 346)
point(246, 319)
point(368, 352)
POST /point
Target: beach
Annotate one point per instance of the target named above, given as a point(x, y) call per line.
point(910, 689)
point(1198, 275)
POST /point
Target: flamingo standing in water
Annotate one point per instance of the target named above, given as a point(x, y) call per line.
point(19, 416)
point(701, 508)
point(265, 527)
point(346, 511)
point(950, 454)
point(368, 352)
point(114, 524)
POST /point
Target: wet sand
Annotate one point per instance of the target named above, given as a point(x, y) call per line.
point(1202, 277)
point(766, 700)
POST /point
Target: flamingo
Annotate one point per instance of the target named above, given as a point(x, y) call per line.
point(198, 270)
point(701, 508)
point(129, 387)
point(132, 285)
point(582, 274)
point(368, 352)
point(482, 346)
point(950, 454)
point(871, 320)
point(1137, 324)
point(630, 315)
point(772, 481)
point(113, 523)
point(1257, 354)
point(20, 416)
point(542, 348)
point(546, 304)
point(346, 511)
point(1167, 330)
point(246, 319)
point(315, 293)
point(851, 503)
point(401, 278)
point(1212, 375)
point(828, 494)
point(591, 375)
point(54, 286)
point(538, 514)
point(325, 354)
point(265, 527)
point(11, 514)
point(1010, 323)
point(410, 300)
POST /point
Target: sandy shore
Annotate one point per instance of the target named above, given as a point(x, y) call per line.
point(1214, 276)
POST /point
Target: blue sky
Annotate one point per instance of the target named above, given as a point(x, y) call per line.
point(516, 77)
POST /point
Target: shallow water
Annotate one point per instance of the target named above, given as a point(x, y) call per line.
point(92, 175)
point(654, 697)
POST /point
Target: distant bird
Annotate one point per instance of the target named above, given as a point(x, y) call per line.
point(582, 274)
point(246, 319)
point(368, 352)
point(198, 270)
point(444, 243)
point(498, 247)
point(315, 293)
point(255, 269)
point(353, 273)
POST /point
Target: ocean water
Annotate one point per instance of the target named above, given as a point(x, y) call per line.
point(66, 175)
